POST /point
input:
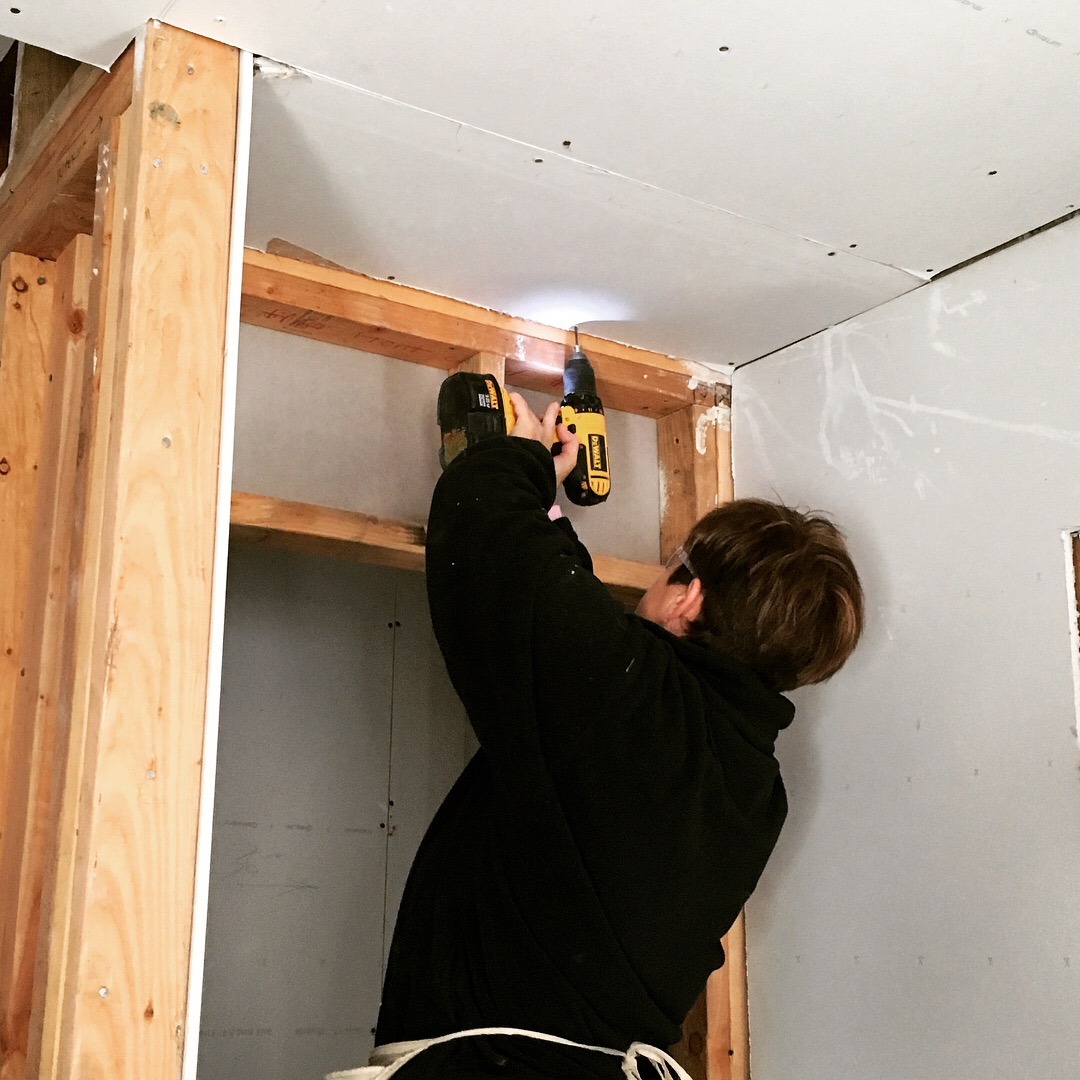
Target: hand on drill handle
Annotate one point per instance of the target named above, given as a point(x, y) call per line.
point(548, 431)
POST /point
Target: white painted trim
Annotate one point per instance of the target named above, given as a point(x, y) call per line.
point(221, 558)
point(1074, 624)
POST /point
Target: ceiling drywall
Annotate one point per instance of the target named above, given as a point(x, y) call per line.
point(717, 180)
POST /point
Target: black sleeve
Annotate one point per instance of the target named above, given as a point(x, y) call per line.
point(524, 626)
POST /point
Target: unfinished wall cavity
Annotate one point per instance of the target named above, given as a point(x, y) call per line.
point(921, 917)
point(340, 732)
point(324, 424)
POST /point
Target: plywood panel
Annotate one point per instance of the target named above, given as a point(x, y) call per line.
point(298, 873)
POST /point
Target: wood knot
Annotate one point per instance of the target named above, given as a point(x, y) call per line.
point(696, 1043)
point(19, 284)
point(148, 1014)
point(5, 466)
point(160, 110)
point(77, 322)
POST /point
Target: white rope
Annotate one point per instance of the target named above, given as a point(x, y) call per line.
point(391, 1057)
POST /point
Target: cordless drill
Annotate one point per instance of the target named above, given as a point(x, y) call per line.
point(474, 407)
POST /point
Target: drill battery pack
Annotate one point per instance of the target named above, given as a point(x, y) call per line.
point(471, 408)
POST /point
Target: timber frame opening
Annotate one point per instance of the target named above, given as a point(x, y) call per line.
point(115, 222)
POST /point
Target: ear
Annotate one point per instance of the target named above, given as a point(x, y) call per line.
point(686, 608)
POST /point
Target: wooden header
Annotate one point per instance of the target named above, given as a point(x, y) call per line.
point(47, 193)
point(324, 530)
point(345, 308)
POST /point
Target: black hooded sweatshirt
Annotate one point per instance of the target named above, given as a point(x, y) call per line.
point(625, 798)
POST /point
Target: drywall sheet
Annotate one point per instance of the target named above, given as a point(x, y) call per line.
point(93, 31)
point(921, 916)
point(340, 735)
point(923, 132)
point(395, 191)
point(328, 425)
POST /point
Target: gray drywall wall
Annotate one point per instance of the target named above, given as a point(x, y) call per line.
point(324, 424)
point(340, 732)
point(921, 915)
point(340, 735)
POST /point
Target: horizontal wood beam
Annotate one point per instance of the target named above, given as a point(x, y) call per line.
point(324, 530)
point(47, 192)
point(345, 308)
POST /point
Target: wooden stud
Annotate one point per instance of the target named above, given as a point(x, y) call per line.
point(47, 190)
point(26, 299)
point(144, 628)
point(28, 817)
point(727, 1016)
point(26, 314)
point(40, 78)
point(85, 621)
point(345, 308)
point(695, 466)
point(694, 447)
point(485, 363)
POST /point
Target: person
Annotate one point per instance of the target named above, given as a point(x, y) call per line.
point(578, 878)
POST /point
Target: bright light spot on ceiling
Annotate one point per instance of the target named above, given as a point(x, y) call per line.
point(571, 308)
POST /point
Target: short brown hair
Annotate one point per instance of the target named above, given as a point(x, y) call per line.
point(780, 592)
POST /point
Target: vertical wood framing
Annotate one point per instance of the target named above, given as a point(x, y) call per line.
point(694, 446)
point(485, 363)
point(26, 300)
point(40, 77)
point(695, 476)
point(29, 793)
point(89, 501)
point(116, 985)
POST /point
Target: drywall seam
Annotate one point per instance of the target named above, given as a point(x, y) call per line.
point(197, 958)
point(277, 70)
